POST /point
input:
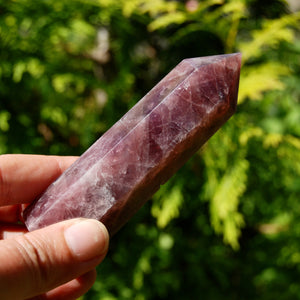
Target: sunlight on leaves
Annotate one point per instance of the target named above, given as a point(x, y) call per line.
point(167, 207)
point(225, 217)
point(259, 79)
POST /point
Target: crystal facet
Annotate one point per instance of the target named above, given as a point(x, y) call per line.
point(127, 165)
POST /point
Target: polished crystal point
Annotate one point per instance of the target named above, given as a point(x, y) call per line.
point(127, 165)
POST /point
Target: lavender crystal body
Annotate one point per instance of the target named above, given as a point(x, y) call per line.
point(127, 165)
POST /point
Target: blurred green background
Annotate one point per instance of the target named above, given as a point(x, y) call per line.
point(227, 225)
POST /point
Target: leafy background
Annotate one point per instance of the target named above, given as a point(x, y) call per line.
point(227, 225)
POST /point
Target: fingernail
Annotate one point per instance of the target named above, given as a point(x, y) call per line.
point(87, 239)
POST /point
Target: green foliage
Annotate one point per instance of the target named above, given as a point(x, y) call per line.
point(227, 225)
point(225, 215)
point(166, 205)
point(255, 81)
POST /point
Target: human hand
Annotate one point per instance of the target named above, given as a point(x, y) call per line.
point(56, 262)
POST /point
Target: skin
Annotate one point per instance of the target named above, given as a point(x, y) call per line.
point(42, 264)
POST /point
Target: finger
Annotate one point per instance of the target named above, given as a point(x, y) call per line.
point(73, 289)
point(8, 231)
point(44, 259)
point(10, 213)
point(24, 177)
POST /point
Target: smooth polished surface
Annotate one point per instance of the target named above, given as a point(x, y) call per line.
point(127, 165)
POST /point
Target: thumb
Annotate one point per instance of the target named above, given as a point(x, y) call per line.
point(39, 261)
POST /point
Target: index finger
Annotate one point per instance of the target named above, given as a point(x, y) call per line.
point(24, 177)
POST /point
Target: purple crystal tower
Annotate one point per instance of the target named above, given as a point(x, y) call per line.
point(127, 165)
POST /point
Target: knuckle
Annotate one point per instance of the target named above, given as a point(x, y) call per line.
point(37, 260)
